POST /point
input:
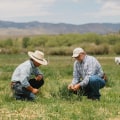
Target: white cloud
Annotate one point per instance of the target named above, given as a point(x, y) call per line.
point(111, 8)
point(107, 11)
point(14, 8)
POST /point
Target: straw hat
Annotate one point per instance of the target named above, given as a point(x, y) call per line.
point(77, 51)
point(38, 56)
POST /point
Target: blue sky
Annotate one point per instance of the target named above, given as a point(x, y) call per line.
point(61, 11)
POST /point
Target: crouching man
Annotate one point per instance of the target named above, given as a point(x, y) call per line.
point(23, 87)
point(88, 75)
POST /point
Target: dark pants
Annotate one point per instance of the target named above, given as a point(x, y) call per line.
point(94, 86)
point(21, 93)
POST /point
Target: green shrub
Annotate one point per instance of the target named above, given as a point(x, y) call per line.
point(63, 44)
point(25, 42)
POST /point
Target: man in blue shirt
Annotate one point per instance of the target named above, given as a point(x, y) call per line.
point(88, 75)
point(21, 83)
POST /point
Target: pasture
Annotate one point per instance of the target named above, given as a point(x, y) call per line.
point(53, 102)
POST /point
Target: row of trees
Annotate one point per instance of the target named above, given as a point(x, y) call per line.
point(63, 44)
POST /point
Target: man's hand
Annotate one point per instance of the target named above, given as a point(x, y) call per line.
point(39, 77)
point(76, 87)
point(70, 87)
point(35, 91)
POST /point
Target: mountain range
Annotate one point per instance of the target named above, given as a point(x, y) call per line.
point(8, 28)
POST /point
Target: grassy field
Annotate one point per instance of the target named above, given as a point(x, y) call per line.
point(53, 102)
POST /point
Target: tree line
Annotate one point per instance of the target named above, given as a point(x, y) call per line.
point(63, 44)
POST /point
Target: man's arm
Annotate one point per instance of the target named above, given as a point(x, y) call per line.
point(33, 90)
point(39, 77)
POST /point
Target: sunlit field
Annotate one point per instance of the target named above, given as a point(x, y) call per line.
point(53, 101)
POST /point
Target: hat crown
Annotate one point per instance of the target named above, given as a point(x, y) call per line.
point(77, 51)
point(38, 54)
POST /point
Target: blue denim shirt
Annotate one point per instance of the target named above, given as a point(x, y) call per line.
point(24, 72)
point(82, 71)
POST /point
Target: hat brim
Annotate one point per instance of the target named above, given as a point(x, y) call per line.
point(42, 61)
point(75, 55)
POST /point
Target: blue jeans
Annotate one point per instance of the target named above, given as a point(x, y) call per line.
point(21, 93)
point(93, 87)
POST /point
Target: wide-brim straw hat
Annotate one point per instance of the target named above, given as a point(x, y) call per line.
point(38, 56)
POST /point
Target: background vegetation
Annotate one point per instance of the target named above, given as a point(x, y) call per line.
point(63, 44)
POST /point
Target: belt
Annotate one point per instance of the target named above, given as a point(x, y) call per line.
point(13, 83)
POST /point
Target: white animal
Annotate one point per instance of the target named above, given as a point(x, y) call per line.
point(117, 60)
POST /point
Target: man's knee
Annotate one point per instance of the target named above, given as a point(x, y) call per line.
point(96, 81)
point(36, 84)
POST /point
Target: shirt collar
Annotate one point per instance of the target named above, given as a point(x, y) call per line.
point(31, 62)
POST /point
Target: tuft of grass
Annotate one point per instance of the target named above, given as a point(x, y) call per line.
point(64, 94)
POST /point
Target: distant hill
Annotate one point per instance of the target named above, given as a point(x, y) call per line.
point(35, 28)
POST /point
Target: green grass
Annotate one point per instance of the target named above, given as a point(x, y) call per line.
point(54, 102)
